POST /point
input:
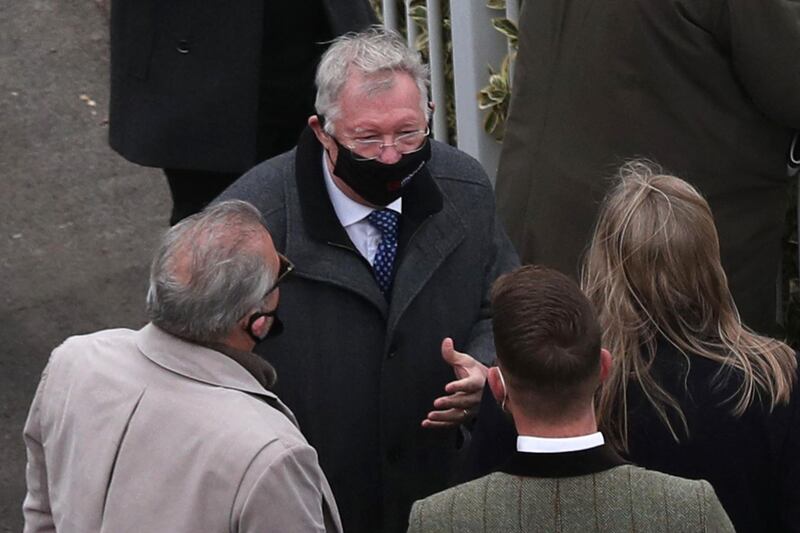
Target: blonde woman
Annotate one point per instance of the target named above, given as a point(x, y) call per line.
point(692, 392)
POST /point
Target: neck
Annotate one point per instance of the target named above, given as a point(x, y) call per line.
point(239, 341)
point(584, 424)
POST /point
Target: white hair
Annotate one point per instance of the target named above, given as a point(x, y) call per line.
point(374, 52)
point(209, 272)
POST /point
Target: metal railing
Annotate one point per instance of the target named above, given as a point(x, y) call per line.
point(476, 46)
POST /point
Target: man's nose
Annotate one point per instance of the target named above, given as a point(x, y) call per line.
point(389, 155)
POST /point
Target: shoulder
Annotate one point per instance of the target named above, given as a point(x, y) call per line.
point(658, 496)
point(82, 349)
point(264, 184)
point(677, 491)
point(250, 423)
point(472, 494)
point(450, 164)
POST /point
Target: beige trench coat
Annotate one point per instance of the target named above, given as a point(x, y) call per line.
point(134, 431)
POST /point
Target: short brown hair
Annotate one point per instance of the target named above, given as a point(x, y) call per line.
point(547, 337)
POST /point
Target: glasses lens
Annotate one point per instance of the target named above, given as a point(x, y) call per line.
point(405, 143)
point(367, 149)
point(410, 142)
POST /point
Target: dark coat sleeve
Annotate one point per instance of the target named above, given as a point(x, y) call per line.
point(784, 437)
point(764, 39)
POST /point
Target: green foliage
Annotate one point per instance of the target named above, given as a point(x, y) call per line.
point(418, 13)
point(496, 96)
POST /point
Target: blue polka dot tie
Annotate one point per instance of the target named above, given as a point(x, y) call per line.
point(383, 264)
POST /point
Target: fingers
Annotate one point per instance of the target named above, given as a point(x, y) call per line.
point(464, 394)
point(430, 424)
point(446, 418)
point(472, 380)
point(468, 385)
point(457, 401)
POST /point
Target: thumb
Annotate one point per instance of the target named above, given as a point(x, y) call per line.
point(449, 353)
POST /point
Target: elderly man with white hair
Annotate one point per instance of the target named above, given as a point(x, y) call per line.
point(396, 245)
point(174, 427)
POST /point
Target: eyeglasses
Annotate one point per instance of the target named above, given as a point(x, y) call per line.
point(370, 148)
point(286, 267)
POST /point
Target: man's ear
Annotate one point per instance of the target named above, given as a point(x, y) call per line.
point(258, 324)
point(496, 384)
point(605, 364)
point(316, 126)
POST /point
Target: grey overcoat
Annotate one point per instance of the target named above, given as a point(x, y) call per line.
point(361, 372)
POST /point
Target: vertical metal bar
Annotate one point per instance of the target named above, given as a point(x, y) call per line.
point(390, 16)
point(512, 10)
point(436, 54)
point(475, 45)
point(411, 27)
point(512, 14)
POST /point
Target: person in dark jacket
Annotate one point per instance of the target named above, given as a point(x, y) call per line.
point(563, 475)
point(707, 88)
point(205, 90)
point(692, 392)
point(396, 245)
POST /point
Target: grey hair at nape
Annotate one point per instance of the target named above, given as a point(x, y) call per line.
point(374, 51)
point(209, 272)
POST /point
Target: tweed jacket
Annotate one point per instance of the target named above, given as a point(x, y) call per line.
point(134, 431)
point(585, 491)
point(752, 461)
point(707, 88)
point(215, 85)
point(360, 371)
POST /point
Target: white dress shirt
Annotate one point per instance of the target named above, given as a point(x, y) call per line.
point(353, 216)
point(528, 444)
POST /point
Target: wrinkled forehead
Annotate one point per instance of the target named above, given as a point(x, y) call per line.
point(388, 97)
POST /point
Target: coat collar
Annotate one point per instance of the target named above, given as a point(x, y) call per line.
point(197, 362)
point(565, 464)
point(431, 228)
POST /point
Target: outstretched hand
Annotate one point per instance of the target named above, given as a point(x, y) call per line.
point(463, 394)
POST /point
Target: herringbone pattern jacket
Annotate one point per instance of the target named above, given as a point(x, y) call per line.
point(623, 499)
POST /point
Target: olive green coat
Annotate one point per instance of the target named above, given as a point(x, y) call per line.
point(710, 89)
point(625, 498)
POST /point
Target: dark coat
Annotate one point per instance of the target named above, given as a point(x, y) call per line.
point(215, 85)
point(361, 373)
point(710, 89)
point(752, 461)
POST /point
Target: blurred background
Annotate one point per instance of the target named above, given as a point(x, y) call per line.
point(77, 222)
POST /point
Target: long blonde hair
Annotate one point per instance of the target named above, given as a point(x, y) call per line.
point(653, 270)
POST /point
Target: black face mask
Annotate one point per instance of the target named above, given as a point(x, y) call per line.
point(376, 182)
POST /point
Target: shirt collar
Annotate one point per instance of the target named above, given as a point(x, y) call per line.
point(348, 210)
point(530, 444)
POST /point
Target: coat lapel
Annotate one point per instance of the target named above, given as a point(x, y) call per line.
point(433, 240)
point(431, 229)
point(315, 239)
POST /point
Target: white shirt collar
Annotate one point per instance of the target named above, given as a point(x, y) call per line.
point(347, 210)
point(557, 445)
